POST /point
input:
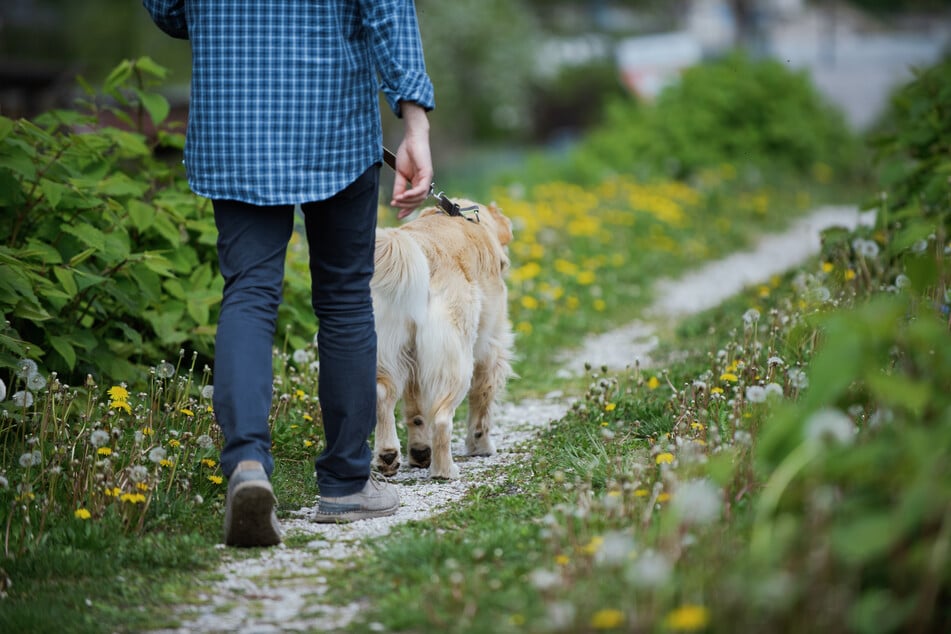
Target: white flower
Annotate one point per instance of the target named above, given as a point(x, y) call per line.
point(29, 459)
point(750, 317)
point(35, 382)
point(820, 294)
point(22, 398)
point(902, 281)
point(205, 442)
point(797, 378)
point(865, 248)
point(775, 360)
point(650, 570)
point(314, 366)
point(3, 390)
point(165, 370)
point(208, 392)
point(697, 501)
point(199, 499)
point(26, 368)
point(829, 425)
point(756, 394)
point(99, 438)
point(157, 455)
point(615, 549)
point(4, 483)
point(700, 385)
point(300, 356)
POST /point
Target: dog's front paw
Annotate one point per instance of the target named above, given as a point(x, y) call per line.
point(387, 461)
point(450, 472)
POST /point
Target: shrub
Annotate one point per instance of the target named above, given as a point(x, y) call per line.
point(735, 110)
point(107, 258)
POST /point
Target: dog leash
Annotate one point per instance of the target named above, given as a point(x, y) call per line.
point(442, 201)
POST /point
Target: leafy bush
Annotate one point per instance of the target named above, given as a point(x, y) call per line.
point(107, 258)
point(734, 110)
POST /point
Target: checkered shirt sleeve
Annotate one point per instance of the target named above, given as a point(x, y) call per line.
point(284, 104)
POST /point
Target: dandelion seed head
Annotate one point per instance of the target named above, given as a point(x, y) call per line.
point(157, 455)
point(797, 378)
point(560, 615)
point(830, 426)
point(697, 501)
point(773, 390)
point(138, 473)
point(208, 392)
point(650, 570)
point(35, 382)
point(756, 394)
point(902, 281)
point(165, 370)
point(750, 317)
point(300, 356)
point(919, 246)
point(22, 398)
point(26, 368)
point(615, 549)
point(99, 437)
point(543, 579)
point(3, 390)
point(205, 441)
point(27, 460)
point(880, 417)
point(4, 483)
point(865, 248)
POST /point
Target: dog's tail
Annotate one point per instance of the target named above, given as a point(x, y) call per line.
point(401, 280)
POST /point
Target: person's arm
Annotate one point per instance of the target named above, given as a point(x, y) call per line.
point(396, 47)
point(168, 15)
point(414, 165)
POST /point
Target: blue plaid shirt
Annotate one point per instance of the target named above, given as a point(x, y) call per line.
point(285, 93)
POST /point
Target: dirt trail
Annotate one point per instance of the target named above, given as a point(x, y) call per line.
point(282, 589)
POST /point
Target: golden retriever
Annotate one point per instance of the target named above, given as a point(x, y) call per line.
point(440, 304)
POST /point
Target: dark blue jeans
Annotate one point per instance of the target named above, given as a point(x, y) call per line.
point(252, 244)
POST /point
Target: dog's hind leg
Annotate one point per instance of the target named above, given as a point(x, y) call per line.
point(488, 378)
point(418, 434)
point(386, 444)
point(442, 466)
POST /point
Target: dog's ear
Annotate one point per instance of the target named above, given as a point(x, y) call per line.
point(503, 226)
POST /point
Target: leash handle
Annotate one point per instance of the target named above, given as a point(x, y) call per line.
point(442, 201)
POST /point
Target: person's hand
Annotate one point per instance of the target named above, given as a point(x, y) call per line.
point(414, 163)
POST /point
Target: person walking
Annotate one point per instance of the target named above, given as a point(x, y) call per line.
point(284, 111)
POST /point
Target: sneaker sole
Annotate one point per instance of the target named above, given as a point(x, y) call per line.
point(346, 517)
point(248, 520)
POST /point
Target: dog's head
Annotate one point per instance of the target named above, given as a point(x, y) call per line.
point(491, 216)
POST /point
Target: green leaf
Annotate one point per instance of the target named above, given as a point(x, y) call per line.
point(141, 213)
point(44, 252)
point(81, 257)
point(148, 66)
point(31, 311)
point(62, 346)
point(88, 235)
point(66, 279)
point(119, 75)
point(899, 391)
point(6, 127)
point(155, 104)
point(864, 539)
point(52, 191)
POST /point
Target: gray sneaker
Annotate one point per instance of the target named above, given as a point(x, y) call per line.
point(377, 499)
point(250, 519)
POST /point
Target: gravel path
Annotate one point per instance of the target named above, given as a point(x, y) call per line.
point(281, 589)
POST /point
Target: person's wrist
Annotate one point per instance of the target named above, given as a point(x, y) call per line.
point(414, 117)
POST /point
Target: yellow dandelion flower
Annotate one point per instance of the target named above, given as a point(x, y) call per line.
point(763, 291)
point(849, 275)
point(174, 442)
point(524, 327)
point(308, 417)
point(572, 302)
point(653, 383)
point(118, 393)
point(688, 618)
point(562, 560)
point(113, 492)
point(641, 493)
point(104, 451)
point(586, 278)
point(599, 305)
point(729, 376)
point(295, 426)
point(664, 458)
point(82, 514)
point(593, 546)
point(828, 267)
point(566, 267)
point(607, 619)
point(147, 431)
point(186, 411)
point(300, 394)
point(133, 498)
point(165, 462)
point(716, 390)
point(216, 479)
point(529, 303)
point(308, 443)
point(517, 619)
point(697, 425)
point(121, 405)
point(663, 497)
point(208, 462)
point(610, 407)
point(141, 486)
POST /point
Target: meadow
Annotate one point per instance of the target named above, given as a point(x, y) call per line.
point(782, 469)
